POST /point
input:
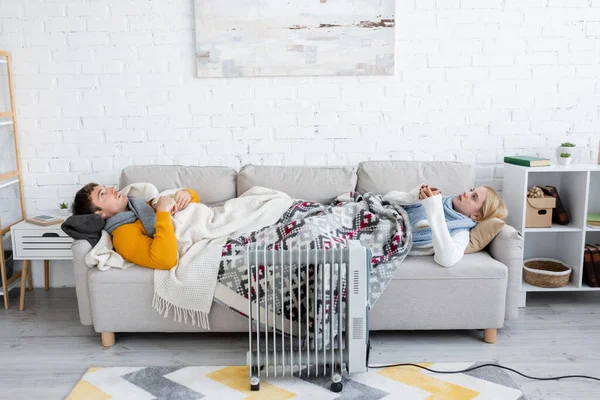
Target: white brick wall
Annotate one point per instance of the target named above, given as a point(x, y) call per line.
point(108, 83)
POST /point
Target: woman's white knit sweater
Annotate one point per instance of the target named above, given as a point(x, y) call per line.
point(447, 250)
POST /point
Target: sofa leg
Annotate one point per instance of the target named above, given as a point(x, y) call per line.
point(108, 339)
point(489, 335)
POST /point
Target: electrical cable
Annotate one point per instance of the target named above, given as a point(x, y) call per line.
point(486, 365)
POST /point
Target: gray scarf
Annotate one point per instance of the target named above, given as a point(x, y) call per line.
point(138, 209)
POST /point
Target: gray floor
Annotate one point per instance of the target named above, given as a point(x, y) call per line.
point(44, 350)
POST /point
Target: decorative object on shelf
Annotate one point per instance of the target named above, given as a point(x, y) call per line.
point(527, 161)
point(591, 265)
point(593, 220)
point(564, 149)
point(559, 213)
point(45, 220)
point(546, 272)
point(565, 158)
point(294, 38)
point(535, 192)
point(538, 211)
point(63, 209)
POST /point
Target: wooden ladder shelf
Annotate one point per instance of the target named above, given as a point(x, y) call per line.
point(9, 176)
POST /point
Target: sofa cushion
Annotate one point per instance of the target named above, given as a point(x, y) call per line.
point(132, 274)
point(381, 177)
point(424, 295)
point(213, 184)
point(483, 234)
point(472, 266)
point(122, 302)
point(320, 184)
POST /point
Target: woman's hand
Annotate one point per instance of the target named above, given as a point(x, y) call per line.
point(425, 192)
point(182, 199)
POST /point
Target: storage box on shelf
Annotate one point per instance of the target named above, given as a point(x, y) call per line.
point(538, 212)
point(579, 189)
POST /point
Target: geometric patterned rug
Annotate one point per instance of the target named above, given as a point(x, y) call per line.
point(224, 383)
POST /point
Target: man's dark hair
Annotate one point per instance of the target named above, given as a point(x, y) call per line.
point(83, 200)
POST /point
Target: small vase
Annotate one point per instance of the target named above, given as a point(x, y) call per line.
point(570, 150)
point(564, 160)
point(63, 212)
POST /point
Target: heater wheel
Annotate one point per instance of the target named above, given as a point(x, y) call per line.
point(336, 387)
point(254, 384)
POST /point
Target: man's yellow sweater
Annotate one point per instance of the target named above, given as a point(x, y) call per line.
point(132, 243)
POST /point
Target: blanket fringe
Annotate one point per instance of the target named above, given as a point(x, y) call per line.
point(180, 314)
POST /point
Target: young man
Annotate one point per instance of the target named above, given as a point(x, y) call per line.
point(131, 240)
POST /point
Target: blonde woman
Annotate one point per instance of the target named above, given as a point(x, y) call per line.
point(441, 225)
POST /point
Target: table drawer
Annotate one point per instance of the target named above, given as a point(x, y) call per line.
point(41, 244)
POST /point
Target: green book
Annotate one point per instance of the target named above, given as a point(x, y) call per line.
point(527, 161)
point(595, 217)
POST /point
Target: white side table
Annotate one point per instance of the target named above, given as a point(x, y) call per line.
point(32, 242)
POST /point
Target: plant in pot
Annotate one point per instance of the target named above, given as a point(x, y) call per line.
point(565, 158)
point(567, 148)
point(63, 209)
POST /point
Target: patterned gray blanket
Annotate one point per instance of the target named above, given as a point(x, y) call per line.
point(381, 227)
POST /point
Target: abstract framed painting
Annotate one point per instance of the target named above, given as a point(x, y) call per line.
point(250, 38)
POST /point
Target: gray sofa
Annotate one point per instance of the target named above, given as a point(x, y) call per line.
point(480, 292)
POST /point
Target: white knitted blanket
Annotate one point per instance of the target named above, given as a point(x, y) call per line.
point(103, 256)
point(201, 232)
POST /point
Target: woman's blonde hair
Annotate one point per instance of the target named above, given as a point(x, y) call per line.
point(493, 206)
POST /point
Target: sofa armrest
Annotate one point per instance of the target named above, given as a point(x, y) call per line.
point(507, 247)
point(80, 248)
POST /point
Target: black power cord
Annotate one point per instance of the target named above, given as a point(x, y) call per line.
point(486, 365)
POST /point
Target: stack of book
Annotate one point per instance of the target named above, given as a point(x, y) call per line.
point(593, 220)
point(45, 220)
point(527, 161)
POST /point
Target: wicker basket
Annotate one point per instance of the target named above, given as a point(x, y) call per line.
point(546, 272)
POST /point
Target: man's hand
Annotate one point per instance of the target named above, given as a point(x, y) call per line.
point(182, 199)
point(165, 203)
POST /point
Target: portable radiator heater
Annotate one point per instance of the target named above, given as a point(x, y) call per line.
point(332, 337)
